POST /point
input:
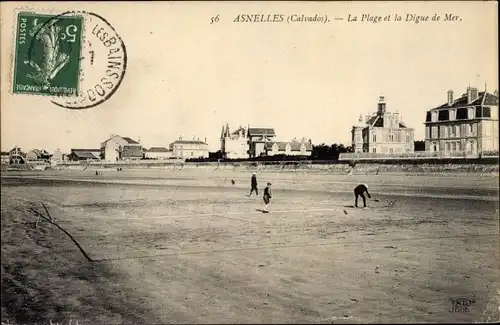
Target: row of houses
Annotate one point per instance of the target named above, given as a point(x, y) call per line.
point(118, 148)
point(466, 125)
point(253, 142)
point(115, 148)
point(17, 156)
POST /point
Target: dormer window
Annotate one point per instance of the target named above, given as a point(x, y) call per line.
point(434, 116)
point(471, 113)
point(453, 114)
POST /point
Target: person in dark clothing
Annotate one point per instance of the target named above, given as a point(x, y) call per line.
point(267, 197)
point(359, 191)
point(254, 185)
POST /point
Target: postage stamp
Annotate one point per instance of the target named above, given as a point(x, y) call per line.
point(76, 58)
point(47, 54)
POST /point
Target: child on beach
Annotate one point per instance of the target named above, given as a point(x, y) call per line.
point(267, 197)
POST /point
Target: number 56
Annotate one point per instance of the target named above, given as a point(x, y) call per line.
point(70, 34)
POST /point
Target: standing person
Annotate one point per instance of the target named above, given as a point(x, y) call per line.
point(254, 185)
point(267, 197)
point(359, 191)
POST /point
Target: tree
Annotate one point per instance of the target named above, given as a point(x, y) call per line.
point(215, 155)
point(332, 152)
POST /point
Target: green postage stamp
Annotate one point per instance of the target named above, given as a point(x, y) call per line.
point(47, 54)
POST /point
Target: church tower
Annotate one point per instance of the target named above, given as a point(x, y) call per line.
point(223, 138)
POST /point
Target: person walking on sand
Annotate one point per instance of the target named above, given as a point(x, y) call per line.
point(253, 183)
point(267, 197)
point(359, 191)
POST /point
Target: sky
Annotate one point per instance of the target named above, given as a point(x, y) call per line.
point(188, 77)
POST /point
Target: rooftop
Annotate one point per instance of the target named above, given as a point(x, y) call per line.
point(86, 154)
point(261, 131)
point(483, 98)
point(158, 149)
point(294, 145)
point(127, 139)
point(90, 150)
point(188, 142)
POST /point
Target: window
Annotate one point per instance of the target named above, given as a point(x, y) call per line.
point(374, 150)
point(391, 137)
point(469, 129)
point(391, 150)
point(374, 138)
point(457, 130)
point(434, 116)
point(468, 146)
point(458, 146)
point(453, 146)
point(428, 132)
point(447, 146)
point(453, 114)
point(434, 132)
point(408, 138)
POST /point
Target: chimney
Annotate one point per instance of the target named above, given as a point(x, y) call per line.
point(472, 94)
point(381, 105)
point(396, 119)
point(450, 97)
point(205, 139)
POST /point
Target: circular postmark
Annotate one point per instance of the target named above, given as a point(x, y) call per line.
point(102, 62)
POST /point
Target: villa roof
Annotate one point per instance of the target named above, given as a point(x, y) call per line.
point(483, 98)
point(130, 140)
point(377, 121)
point(294, 145)
point(261, 131)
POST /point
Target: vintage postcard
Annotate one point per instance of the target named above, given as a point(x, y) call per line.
point(249, 162)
